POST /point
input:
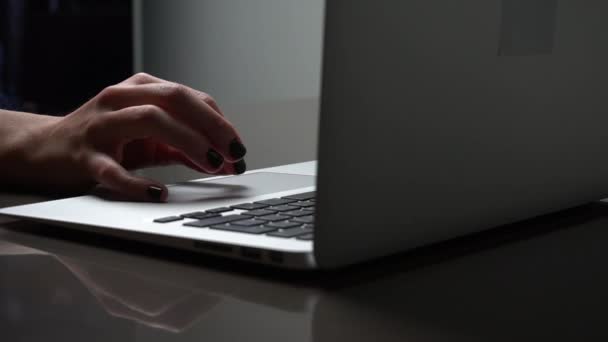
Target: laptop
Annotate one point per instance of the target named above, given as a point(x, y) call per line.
point(438, 119)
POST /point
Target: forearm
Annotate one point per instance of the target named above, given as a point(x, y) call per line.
point(15, 125)
point(19, 135)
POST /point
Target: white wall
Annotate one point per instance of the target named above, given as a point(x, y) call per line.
point(260, 59)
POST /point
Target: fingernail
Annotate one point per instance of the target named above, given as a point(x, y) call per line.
point(237, 150)
point(240, 167)
point(155, 192)
point(215, 159)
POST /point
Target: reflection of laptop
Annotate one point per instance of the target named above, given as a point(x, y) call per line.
point(435, 122)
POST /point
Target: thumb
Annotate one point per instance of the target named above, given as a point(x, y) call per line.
point(107, 172)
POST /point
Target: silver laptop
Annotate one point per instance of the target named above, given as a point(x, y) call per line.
point(438, 119)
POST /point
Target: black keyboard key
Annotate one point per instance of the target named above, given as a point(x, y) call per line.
point(276, 201)
point(248, 223)
point(301, 197)
point(307, 237)
point(199, 215)
point(258, 212)
point(218, 210)
point(304, 219)
point(168, 219)
point(191, 214)
point(297, 213)
point(242, 229)
point(215, 221)
point(249, 206)
point(273, 218)
point(309, 226)
point(304, 204)
point(293, 232)
point(284, 224)
point(284, 207)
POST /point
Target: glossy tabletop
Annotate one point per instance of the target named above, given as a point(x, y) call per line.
point(540, 280)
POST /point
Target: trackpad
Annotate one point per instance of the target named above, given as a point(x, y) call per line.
point(250, 185)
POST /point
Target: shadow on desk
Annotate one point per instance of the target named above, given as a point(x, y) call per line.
point(542, 279)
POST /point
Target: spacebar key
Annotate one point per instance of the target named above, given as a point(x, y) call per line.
point(216, 220)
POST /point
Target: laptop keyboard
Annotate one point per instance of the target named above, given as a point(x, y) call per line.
point(286, 217)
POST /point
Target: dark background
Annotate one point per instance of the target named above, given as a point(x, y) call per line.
point(56, 54)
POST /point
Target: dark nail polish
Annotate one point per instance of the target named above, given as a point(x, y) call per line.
point(237, 150)
point(155, 192)
point(214, 158)
point(240, 167)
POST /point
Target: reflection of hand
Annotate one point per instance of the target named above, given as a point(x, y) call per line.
point(143, 121)
point(12, 249)
point(147, 301)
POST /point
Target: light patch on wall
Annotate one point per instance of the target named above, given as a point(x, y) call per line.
point(527, 27)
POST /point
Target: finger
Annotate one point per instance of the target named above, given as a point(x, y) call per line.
point(179, 157)
point(143, 153)
point(146, 153)
point(144, 78)
point(149, 121)
point(236, 168)
point(176, 156)
point(184, 106)
point(107, 172)
point(208, 100)
point(164, 155)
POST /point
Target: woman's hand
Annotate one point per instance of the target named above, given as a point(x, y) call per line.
point(143, 121)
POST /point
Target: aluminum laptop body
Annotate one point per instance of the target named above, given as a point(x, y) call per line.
point(438, 119)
